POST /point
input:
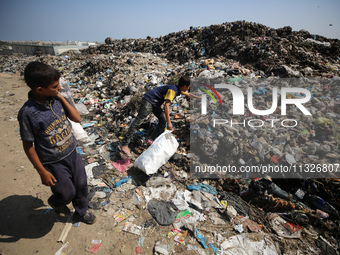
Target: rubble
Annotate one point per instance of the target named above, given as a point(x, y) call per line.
point(209, 216)
point(256, 46)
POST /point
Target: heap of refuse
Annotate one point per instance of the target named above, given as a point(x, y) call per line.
point(207, 216)
point(256, 46)
point(285, 141)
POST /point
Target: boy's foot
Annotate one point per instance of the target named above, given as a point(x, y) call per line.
point(59, 210)
point(125, 149)
point(88, 218)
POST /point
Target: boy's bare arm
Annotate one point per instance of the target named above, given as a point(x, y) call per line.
point(189, 95)
point(167, 114)
point(46, 177)
point(73, 114)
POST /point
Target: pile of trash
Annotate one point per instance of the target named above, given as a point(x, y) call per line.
point(193, 215)
point(276, 138)
point(254, 45)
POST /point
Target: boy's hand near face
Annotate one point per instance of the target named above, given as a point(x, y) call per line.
point(72, 113)
point(59, 96)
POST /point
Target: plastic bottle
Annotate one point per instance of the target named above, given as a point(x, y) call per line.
point(321, 204)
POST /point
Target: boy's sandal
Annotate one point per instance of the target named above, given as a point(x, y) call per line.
point(88, 218)
point(126, 152)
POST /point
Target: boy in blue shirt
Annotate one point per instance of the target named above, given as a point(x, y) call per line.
point(152, 102)
point(49, 143)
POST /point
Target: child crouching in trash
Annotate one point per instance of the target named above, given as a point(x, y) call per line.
point(49, 143)
point(151, 103)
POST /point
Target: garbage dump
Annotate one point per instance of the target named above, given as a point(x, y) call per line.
point(278, 51)
point(210, 214)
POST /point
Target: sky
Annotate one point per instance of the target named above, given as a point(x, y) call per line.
point(90, 20)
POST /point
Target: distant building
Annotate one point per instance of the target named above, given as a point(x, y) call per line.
point(87, 44)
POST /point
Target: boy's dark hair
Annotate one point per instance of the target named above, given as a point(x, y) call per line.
point(38, 74)
point(184, 81)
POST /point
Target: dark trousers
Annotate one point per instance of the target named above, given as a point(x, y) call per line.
point(71, 185)
point(145, 109)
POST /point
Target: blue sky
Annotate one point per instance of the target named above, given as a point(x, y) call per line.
point(87, 20)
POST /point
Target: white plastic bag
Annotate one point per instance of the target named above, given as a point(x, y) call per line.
point(65, 91)
point(82, 109)
point(79, 133)
point(160, 151)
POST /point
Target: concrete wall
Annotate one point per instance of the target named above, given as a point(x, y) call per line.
point(6, 51)
point(32, 49)
point(44, 49)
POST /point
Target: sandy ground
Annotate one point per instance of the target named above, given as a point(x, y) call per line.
point(27, 225)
